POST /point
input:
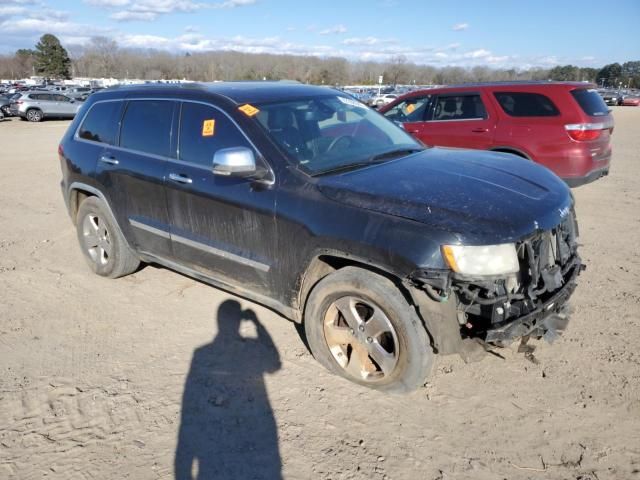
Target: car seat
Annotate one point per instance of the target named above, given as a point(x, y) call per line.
point(282, 126)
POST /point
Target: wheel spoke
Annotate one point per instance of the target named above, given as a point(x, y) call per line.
point(356, 365)
point(91, 240)
point(107, 247)
point(377, 324)
point(385, 360)
point(93, 222)
point(337, 335)
point(347, 307)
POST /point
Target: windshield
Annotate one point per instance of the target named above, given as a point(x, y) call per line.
point(332, 133)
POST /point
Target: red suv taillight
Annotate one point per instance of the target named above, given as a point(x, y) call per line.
point(582, 132)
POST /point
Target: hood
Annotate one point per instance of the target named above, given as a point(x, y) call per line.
point(481, 197)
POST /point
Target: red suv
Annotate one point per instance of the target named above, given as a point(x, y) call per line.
point(565, 126)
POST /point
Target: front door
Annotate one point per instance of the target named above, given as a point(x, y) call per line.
point(221, 226)
point(412, 113)
point(64, 107)
point(459, 120)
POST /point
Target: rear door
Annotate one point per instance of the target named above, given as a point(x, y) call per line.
point(221, 226)
point(132, 173)
point(459, 119)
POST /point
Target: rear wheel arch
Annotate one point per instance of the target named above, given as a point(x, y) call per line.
point(78, 192)
point(513, 151)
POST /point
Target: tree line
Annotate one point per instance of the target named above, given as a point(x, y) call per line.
point(103, 58)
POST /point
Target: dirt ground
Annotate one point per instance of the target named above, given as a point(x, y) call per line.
point(106, 379)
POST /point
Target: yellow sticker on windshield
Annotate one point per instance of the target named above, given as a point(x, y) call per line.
point(411, 107)
point(208, 127)
point(248, 110)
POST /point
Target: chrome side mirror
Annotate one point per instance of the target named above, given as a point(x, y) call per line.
point(235, 161)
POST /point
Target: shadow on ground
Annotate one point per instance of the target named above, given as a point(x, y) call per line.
point(227, 428)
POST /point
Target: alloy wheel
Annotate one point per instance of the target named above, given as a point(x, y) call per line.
point(97, 240)
point(34, 116)
point(361, 339)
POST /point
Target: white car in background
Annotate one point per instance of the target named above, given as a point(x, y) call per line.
point(385, 98)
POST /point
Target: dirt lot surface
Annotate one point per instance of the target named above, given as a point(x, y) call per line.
point(106, 379)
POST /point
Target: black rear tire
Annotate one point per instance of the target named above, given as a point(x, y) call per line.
point(406, 343)
point(103, 245)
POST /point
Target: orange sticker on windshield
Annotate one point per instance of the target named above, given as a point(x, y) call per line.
point(208, 127)
point(411, 107)
point(248, 110)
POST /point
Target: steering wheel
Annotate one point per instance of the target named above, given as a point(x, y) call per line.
point(337, 140)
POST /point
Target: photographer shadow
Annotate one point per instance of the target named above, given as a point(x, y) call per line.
point(227, 427)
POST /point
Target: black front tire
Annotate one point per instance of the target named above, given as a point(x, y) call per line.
point(414, 357)
point(103, 245)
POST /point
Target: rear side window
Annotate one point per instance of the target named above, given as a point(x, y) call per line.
point(205, 130)
point(459, 107)
point(61, 98)
point(590, 102)
point(146, 126)
point(520, 104)
point(101, 123)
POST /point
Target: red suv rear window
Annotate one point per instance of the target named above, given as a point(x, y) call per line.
point(590, 102)
point(523, 104)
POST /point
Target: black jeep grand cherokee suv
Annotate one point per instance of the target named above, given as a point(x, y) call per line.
point(304, 200)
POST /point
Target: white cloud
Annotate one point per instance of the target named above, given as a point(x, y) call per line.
point(149, 10)
point(129, 16)
point(145, 41)
point(360, 41)
point(11, 11)
point(35, 26)
point(233, 3)
point(19, 2)
point(108, 3)
point(460, 26)
point(480, 53)
point(335, 30)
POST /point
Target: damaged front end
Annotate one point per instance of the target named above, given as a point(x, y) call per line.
point(531, 302)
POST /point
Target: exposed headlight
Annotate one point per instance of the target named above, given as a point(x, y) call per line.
point(482, 260)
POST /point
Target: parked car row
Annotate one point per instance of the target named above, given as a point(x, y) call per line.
point(620, 97)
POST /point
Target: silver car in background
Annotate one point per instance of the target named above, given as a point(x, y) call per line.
point(37, 105)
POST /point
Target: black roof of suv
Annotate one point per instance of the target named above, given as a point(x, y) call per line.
point(305, 200)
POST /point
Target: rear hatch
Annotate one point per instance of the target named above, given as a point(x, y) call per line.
point(596, 126)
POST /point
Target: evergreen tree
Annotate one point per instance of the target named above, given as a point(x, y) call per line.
point(51, 58)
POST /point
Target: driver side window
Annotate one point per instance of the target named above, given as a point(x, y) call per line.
point(410, 110)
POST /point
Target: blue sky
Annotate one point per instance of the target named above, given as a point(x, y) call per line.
point(497, 33)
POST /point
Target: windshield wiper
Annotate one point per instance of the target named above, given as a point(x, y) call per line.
point(400, 152)
point(373, 160)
